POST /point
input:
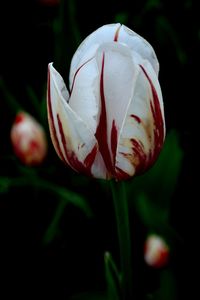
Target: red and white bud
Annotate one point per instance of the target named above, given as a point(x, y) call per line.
point(111, 122)
point(156, 251)
point(28, 139)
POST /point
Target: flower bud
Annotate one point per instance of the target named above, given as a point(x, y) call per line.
point(156, 251)
point(28, 139)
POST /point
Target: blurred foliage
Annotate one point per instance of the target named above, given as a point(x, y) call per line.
point(167, 289)
point(153, 191)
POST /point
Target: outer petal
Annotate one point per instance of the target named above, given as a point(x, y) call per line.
point(89, 46)
point(108, 33)
point(143, 131)
point(139, 45)
point(73, 140)
point(84, 99)
point(117, 75)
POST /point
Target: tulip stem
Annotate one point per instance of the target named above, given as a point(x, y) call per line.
point(123, 228)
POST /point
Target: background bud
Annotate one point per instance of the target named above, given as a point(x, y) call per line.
point(156, 251)
point(28, 139)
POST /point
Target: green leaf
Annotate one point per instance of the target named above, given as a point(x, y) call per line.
point(112, 278)
point(53, 228)
point(69, 197)
point(73, 198)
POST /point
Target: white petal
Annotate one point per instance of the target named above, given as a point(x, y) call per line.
point(99, 169)
point(89, 46)
point(117, 75)
point(84, 99)
point(83, 60)
point(138, 44)
point(73, 140)
point(143, 131)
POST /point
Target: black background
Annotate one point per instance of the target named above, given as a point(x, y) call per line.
point(26, 267)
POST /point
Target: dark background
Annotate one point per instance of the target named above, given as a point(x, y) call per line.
point(73, 262)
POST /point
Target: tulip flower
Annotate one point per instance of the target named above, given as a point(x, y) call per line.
point(156, 251)
point(111, 122)
point(28, 139)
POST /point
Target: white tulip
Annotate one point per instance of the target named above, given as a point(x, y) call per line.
point(111, 123)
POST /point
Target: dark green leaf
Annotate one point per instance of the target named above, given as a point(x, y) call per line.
point(69, 197)
point(112, 278)
point(53, 228)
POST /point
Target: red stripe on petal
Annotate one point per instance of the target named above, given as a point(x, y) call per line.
point(76, 73)
point(90, 157)
point(71, 157)
point(158, 119)
point(162, 259)
point(121, 175)
point(101, 132)
point(136, 118)
point(114, 141)
point(139, 157)
point(51, 120)
point(19, 118)
point(117, 34)
point(62, 137)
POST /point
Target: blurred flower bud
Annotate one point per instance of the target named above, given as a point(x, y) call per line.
point(156, 251)
point(28, 139)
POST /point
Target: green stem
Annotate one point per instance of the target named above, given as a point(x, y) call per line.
point(123, 227)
